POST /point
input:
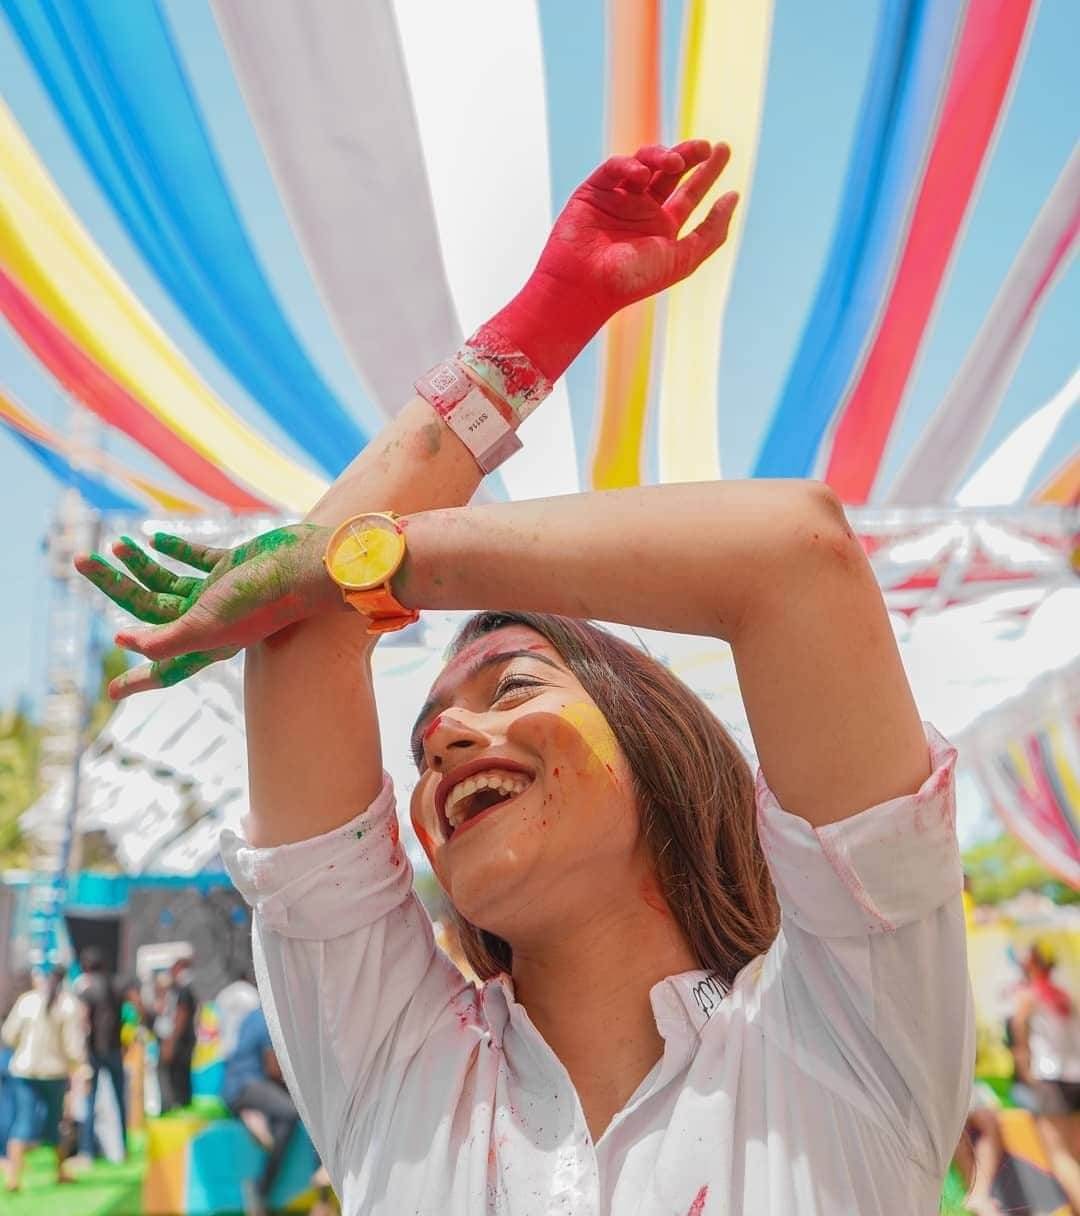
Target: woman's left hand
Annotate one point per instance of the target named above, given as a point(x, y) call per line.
point(616, 241)
point(249, 593)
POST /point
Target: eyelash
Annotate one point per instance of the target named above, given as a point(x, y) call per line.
point(506, 684)
point(509, 683)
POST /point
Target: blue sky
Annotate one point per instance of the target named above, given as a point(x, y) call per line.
point(817, 72)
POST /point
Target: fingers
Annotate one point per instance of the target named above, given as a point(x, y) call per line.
point(148, 676)
point(682, 203)
point(707, 237)
point(150, 573)
point(153, 607)
point(625, 171)
point(197, 629)
point(692, 152)
point(202, 557)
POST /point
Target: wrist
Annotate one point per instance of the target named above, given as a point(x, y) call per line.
point(550, 322)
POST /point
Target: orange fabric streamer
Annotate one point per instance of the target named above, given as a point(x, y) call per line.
point(97, 462)
point(633, 121)
point(1064, 486)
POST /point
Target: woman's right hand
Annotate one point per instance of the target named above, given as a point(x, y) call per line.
point(249, 593)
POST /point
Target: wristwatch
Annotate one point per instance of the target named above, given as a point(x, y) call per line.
point(362, 555)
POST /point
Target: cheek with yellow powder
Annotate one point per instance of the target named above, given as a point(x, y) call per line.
point(594, 731)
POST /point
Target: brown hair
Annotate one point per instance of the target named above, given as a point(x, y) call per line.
point(695, 794)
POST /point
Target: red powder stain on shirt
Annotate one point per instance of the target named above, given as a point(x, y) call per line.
point(395, 831)
point(698, 1206)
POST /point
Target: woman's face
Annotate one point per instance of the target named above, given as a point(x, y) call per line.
point(525, 801)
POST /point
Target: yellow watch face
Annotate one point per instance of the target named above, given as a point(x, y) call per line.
point(365, 552)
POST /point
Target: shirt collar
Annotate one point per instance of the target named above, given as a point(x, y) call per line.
point(681, 1004)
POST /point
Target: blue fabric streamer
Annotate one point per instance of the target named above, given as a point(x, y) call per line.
point(906, 82)
point(96, 492)
point(117, 81)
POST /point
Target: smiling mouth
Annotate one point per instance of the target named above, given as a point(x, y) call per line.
point(478, 794)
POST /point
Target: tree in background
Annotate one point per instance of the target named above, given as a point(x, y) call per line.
point(20, 743)
point(1003, 868)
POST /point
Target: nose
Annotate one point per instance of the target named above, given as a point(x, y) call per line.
point(453, 734)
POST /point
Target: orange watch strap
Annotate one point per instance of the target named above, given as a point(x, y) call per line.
point(385, 612)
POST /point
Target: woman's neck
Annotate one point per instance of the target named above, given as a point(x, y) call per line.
point(587, 992)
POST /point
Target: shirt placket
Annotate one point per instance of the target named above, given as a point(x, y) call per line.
point(575, 1186)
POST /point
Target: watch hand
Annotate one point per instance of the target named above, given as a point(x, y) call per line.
point(360, 543)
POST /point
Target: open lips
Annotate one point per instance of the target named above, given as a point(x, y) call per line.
point(478, 787)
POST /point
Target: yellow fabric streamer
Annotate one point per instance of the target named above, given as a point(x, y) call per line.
point(47, 249)
point(1070, 780)
point(724, 64)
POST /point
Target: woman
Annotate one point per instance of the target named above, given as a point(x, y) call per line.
point(649, 1036)
point(46, 1032)
point(1046, 1047)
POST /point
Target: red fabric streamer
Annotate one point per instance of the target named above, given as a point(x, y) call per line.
point(987, 56)
point(99, 392)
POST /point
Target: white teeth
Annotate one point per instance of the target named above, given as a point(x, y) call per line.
point(506, 783)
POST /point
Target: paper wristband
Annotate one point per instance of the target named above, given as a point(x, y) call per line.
point(470, 414)
point(507, 372)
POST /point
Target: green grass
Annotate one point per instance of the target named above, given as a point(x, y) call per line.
point(102, 1190)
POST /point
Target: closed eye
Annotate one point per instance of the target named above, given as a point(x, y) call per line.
point(514, 683)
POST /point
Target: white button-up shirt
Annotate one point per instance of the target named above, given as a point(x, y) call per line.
point(832, 1079)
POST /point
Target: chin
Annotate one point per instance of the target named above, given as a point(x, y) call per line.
point(493, 887)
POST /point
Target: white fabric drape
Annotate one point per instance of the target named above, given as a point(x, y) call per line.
point(952, 437)
point(477, 75)
point(1003, 476)
point(329, 96)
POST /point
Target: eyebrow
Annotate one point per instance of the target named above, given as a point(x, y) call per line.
point(438, 704)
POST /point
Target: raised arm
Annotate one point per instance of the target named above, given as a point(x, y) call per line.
point(770, 566)
point(312, 732)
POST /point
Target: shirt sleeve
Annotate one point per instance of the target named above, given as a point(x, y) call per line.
point(867, 982)
point(351, 980)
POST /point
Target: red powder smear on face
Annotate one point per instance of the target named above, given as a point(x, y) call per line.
point(425, 840)
point(554, 772)
point(651, 895)
point(431, 728)
point(698, 1206)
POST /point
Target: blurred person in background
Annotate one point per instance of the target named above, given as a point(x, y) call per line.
point(45, 1029)
point(980, 1152)
point(104, 1052)
point(1046, 1047)
point(174, 1027)
point(254, 1085)
point(19, 985)
point(234, 1002)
